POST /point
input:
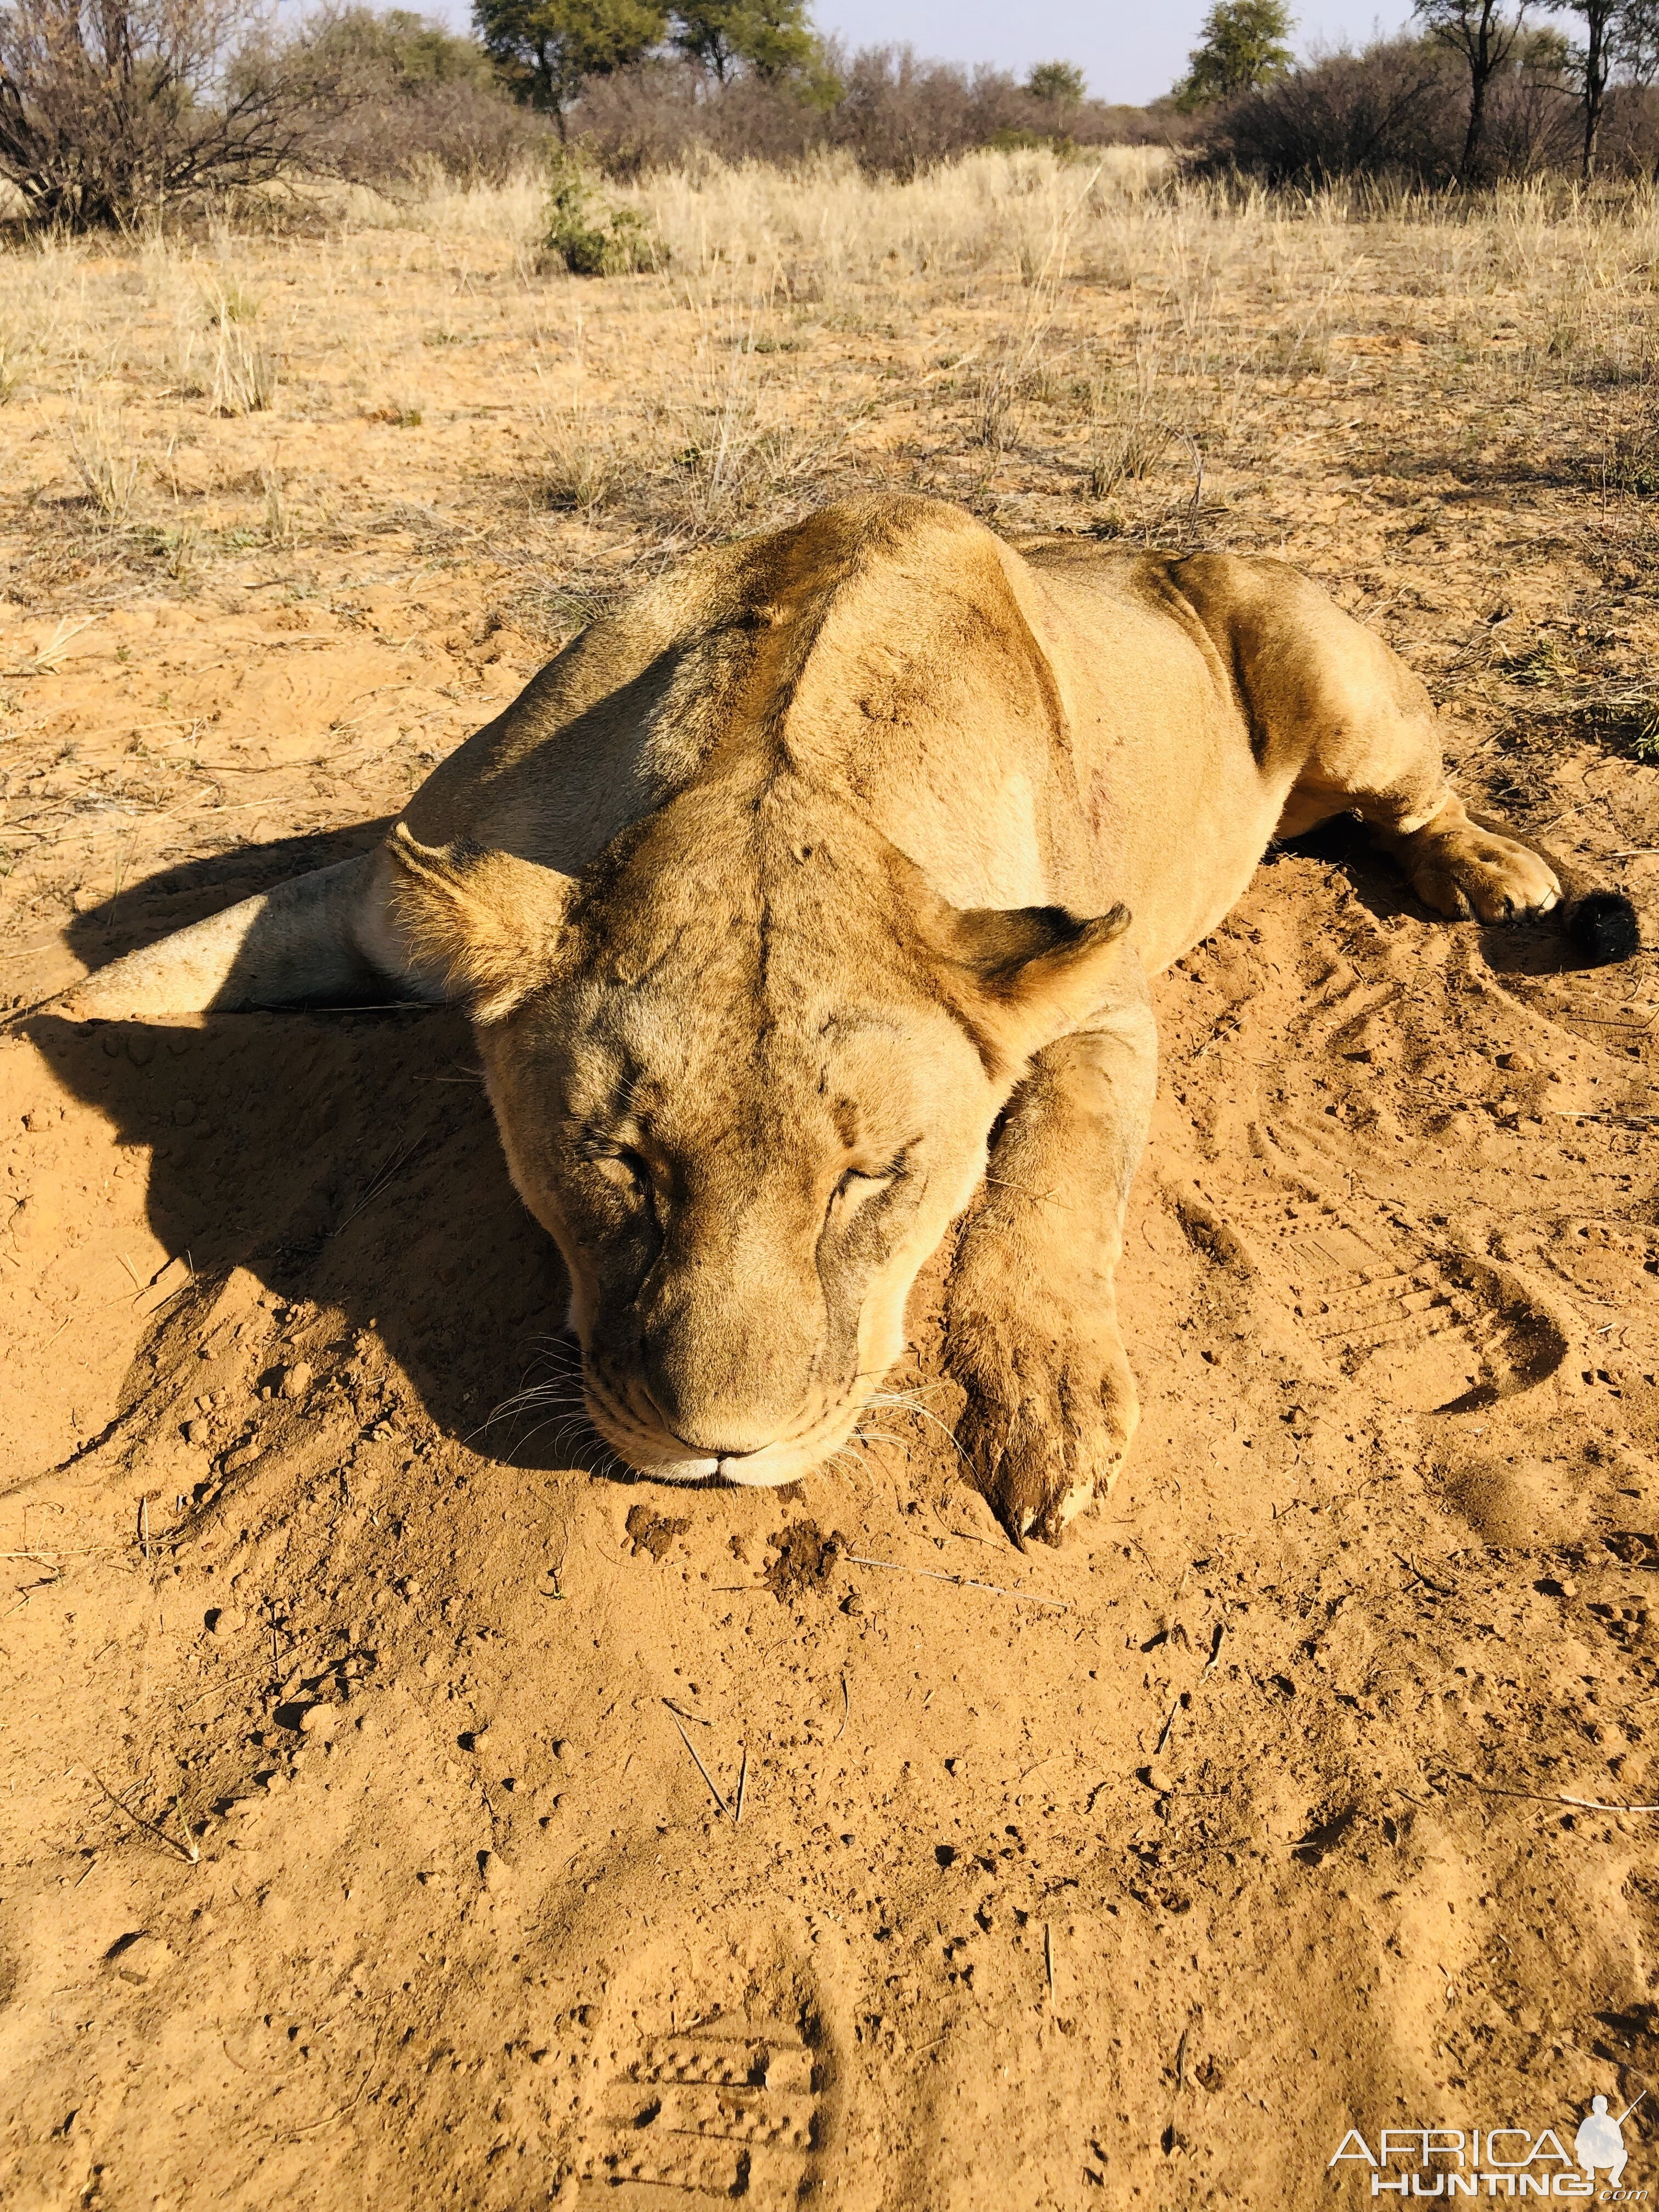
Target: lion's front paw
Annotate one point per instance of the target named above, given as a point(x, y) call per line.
point(1048, 1420)
point(1473, 871)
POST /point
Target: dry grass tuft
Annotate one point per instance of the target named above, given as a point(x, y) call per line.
point(101, 453)
point(244, 370)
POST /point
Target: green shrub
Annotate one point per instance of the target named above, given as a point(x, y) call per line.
point(590, 234)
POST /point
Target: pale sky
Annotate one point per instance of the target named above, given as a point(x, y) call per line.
point(1129, 49)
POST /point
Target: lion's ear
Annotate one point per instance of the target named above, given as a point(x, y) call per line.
point(1034, 971)
point(485, 922)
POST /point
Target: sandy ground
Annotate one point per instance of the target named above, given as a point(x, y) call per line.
point(396, 1811)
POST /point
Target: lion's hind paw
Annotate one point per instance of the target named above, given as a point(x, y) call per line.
point(1470, 873)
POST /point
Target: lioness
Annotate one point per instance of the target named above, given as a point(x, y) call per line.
point(823, 876)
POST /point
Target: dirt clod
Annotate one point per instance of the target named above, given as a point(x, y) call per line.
point(806, 1558)
point(653, 1533)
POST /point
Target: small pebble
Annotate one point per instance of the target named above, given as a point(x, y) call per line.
point(195, 1432)
point(226, 1620)
point(319, 1720)
point(296, 1380)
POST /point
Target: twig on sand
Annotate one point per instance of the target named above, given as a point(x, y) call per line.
point(962, 1582)
point(697, 1762)
point(143, 1526)
point(329, 2119)
point(1548, 1797)
point(188, 1851)
point(1440, 1589)
point(846, 1712)
point(1048, 1959)
point(742, 1787)
point(680, 1713)
point(381, 1181)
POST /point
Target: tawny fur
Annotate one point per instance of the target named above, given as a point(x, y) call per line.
point(789, 883)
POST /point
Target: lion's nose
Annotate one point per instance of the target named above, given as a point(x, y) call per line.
point(715, 1438)
point(727, 1371)
point(713, 1432)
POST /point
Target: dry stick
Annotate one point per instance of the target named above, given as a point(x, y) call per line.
point(742, 1787)
point(1549, 1797)
point(188, 1851)
point(1163, 1734)
point(846, 1712)
point(143, 1526)
point(701, 1768)
point(962, 1582)
point(680, 1713)
point(328, 2119)
point(1049, 1957)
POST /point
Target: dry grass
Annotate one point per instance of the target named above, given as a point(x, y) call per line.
point(1450, 414)
point(103, 459)
point(1090, 327)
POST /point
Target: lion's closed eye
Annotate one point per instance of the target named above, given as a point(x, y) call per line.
point(859, 1185)
point(855, 1186)
point(627, 1172)
point(624, 1167)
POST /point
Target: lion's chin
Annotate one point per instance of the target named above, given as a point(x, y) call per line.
point(768, 1468)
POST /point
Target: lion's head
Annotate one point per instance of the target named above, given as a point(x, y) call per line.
point(744, 1069)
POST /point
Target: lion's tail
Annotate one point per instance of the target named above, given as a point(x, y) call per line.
point(1601, 925)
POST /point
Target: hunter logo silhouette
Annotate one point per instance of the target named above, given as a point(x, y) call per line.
point(1601, 2140)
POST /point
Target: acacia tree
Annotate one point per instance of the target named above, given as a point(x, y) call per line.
point(1601, 19)
point(774, 38)
point(549, 48)
point(1485, 39)
point(110, 109)
point(1636, 41)
point(1061, 84)
point(1245, 43)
